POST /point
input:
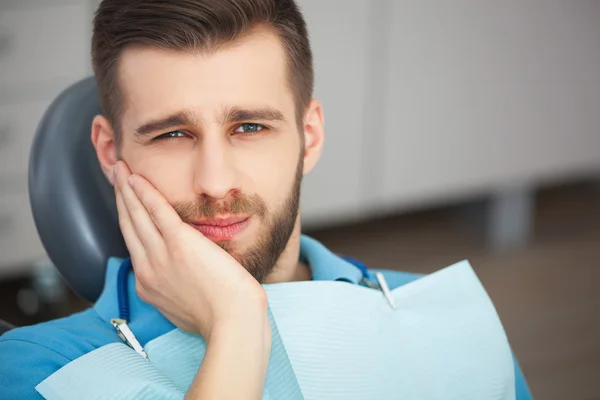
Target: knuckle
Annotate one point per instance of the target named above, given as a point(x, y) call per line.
point(153, 211)
point(145, 279)
point(176, 244)
point(144, 198)
point(139, 288)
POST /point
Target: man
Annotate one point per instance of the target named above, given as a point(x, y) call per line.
point(208, 128)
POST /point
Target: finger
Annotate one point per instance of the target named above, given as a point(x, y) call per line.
point(141, 221)
point(133, 243)
point(162, 213)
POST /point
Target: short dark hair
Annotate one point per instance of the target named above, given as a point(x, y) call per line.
point(197, 26)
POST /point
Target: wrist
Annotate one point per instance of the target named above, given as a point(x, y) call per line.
point(250, 313)
point(252, 323)
point(236, 359)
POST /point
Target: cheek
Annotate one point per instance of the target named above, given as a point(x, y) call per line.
point(271, 173)
point(169, 175)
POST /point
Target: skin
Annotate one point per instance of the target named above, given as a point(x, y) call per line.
point(177, 268)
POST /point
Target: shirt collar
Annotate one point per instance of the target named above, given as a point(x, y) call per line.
point(324, 265)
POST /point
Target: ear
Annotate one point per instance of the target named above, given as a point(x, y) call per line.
point(103, 139)
point(314, 135)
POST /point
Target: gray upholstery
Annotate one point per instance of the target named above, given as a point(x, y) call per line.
point(72, 202)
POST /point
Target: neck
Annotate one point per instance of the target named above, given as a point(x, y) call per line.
point(288, 267)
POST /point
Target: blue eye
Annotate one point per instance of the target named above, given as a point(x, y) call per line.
point(249, 129)
point(171, 135)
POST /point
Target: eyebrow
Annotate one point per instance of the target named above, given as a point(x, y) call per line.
point(236, 114)
point(228, 116)
point(178, 119)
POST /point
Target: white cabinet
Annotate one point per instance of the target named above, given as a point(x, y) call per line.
point(340, 40)
point(487, 94)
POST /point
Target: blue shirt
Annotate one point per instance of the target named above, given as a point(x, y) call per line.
point(30, 354)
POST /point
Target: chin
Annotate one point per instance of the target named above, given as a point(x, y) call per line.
point(232, 246)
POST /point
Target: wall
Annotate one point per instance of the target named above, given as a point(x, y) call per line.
point(425, 102)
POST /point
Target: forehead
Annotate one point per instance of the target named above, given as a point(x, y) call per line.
point(249, 73)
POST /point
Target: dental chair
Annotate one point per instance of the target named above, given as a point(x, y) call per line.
point(5, 327)
point(72, 202)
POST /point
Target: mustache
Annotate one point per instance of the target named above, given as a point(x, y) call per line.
point(208, 207)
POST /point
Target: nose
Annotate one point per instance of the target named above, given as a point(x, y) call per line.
point(215, 171)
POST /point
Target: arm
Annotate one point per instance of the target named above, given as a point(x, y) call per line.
point(199, 287)
point(235, 364)
point(24, 365)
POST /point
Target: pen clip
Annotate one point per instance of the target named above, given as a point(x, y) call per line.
point(385, 289)
point(127, 336)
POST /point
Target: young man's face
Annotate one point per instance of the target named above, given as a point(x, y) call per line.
point(216, 134)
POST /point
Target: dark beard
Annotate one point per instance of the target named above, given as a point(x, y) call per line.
point(260, 260)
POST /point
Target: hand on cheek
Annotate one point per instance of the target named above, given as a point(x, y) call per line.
point(191, 280)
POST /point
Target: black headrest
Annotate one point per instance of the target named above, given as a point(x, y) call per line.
point(72, 201)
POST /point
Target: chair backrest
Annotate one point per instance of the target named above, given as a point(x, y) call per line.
point(5, 327)
point(72, 202)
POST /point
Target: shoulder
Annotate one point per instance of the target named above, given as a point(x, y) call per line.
point(69, 337)
point(30, 354)
point(395, 279)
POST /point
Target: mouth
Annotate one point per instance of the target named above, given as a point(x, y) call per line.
point(222, 228)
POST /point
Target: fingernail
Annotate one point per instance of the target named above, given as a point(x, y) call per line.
point(130, 180)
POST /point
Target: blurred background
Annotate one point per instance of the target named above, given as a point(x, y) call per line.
point(455, 130)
